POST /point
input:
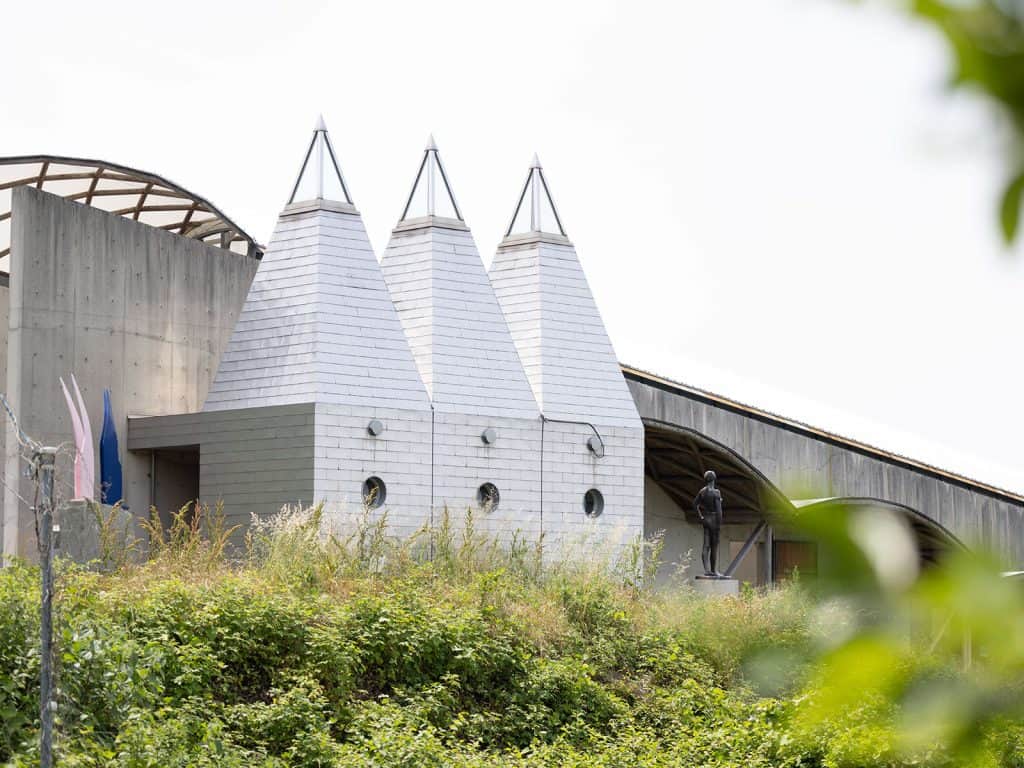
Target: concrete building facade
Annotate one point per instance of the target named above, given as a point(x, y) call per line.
point(308, 371)
point(411, 384)
point(774, 462)
point(122, 305)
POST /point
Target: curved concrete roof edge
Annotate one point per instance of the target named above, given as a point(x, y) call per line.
point(798, 426)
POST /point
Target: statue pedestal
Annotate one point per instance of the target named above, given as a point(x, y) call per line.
point(704, 585)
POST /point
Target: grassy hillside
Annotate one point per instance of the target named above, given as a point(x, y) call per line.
point(315, 651)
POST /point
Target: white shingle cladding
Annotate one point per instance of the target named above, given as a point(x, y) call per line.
point(462, 463)
point(318, 324)
point(346, 454)
point(570, 470)
point(558, 330)
point(575, 375)
point(454, 324)
point(471, 368)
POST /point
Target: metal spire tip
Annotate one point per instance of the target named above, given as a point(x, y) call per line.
point(431, 144)
point(536, 161)
point(320, 124)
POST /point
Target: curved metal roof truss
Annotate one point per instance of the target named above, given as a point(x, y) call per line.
point(122, 191)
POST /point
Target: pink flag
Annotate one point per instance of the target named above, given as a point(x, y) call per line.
point(87, 449)
point(84, 455)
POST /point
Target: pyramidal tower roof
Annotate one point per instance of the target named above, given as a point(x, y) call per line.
point(553, 318)
point(451, 316)
point(318, 324)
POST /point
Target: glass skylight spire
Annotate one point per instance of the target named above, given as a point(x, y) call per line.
point(320, 177)
point(535, 210)
point(431, 193)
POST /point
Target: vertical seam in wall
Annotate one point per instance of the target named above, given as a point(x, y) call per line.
point(74, 295)
point(830, 449)
point(538, 290)
point(431, 481)
point(123, 387)
point(542, 420)
point(317, 384)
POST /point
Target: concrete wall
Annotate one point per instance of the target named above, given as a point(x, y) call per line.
point(81, 538)
point(123, 306)
point(805, 466)
point(682, 540)
point(5, 300)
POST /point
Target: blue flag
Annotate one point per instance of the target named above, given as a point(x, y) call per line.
point(110, 462)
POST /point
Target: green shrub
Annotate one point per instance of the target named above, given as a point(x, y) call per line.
point(19, 656)
point(231, 640)
point(404, 642)
point(287, 725)
point(321, 649)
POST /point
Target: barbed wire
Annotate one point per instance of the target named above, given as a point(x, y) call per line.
point(28, 456)
point(24, 440)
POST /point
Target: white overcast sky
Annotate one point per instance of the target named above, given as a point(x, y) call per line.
point(775, 200)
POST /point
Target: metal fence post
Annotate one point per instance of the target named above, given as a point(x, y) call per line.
point(44, 466)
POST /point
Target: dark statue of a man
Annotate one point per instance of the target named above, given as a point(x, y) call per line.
point(708, 506)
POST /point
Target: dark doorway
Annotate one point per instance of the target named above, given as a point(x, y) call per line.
point(174, 480)
point(790, 556)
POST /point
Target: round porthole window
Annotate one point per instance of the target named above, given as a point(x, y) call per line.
point(487, 497)
point(593, 503)
point(374, 492)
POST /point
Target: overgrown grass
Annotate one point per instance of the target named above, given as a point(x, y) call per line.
point(340, 646)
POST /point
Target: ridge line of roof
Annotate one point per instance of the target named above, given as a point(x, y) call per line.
point(794, 424)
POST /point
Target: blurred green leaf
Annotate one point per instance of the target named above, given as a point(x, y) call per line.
point(1009, 207)
point(987, 41)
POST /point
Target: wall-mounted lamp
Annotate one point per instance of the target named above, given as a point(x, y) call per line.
point(375, 427)
point(489, 436)
point(596, 446)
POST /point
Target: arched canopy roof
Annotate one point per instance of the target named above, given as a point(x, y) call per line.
point(932, 538)
point(123, 191)
point(656, 382)
point(676, 458)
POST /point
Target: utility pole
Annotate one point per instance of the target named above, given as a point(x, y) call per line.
point(43, 463)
